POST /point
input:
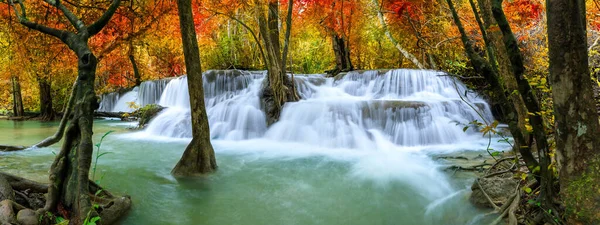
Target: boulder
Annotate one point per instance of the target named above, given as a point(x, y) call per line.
point(498, 189)
point(28, 217)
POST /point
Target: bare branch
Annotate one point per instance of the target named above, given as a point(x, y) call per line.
point(100, 23)
point(60, 34)
point(70, 16)
point(22, 17)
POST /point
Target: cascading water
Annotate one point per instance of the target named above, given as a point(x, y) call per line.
point(361, 110)
point(368, 109)
point(232, 104)
point(377, 121)
point(109, 100)
point(148, 92)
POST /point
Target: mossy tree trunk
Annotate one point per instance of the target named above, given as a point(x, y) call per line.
point(498, 51)
point(278, 88)
point(533, 106)
point(69, 186)
point(577, 129)
point(486, 69)
point(199, 156)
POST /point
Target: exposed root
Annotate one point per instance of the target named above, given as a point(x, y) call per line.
point(25, 197)
point(486, 195)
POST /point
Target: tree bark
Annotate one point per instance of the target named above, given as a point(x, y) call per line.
point(531, 103)
point(278, 88)
point(136, 70)
point(486, 70)
point(46, 110)
point(69, 187)
point(199, 156)
point(342, 53)
point(17, 97)
point(576, 120)
point(497, 49)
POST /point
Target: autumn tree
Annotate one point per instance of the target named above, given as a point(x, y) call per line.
point(336, 18)
point(70, 185)
point(199, 156)
point(575, 114)
point(379, 10)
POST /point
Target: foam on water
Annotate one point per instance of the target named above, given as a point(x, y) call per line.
point(384, 124)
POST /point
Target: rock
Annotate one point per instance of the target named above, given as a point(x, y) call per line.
point(6, 190)
point(27, 217)
point(499, 190)
point(147, 113)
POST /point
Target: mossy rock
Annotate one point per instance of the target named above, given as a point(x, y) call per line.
point(147, 113)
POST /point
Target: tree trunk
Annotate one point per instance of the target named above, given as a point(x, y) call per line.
point(503, 62)
point(498, 93)
point(277, 89)
point(533, 106)
point(17, 98)
point(136, 71)
point(199, 156)
point(69, 174)
point(577, 143)
point(46, 110)
point(342, 53)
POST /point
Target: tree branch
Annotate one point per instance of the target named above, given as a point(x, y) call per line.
point(70, 16)
point(60, 34)
point(97, 26)
point(22, 17)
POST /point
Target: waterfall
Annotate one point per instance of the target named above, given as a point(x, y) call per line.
point(232, 104)
point(367, 109)
point(109, 100)
point(148, 92)
point(361, 110)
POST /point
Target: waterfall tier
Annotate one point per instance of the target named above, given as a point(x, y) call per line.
point(361, 110)
point(148, 92)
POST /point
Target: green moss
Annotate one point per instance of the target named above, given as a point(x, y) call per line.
point(582, 195)
point(146, 113)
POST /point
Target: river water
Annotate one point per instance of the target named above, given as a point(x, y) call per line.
point(357, 150)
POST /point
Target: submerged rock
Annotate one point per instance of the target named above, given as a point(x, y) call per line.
point(498, 189)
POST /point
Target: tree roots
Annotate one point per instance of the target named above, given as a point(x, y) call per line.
point(22, 202)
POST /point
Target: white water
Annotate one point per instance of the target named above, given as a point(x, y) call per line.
point(149, 92)
point(368, 110)
point(383, 124)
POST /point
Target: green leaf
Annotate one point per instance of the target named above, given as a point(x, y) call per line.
point(536, 169)
point(527, 189)
point(104, 153)
point(531, 202)
point(465, 128)
point(495, 153)
point(59, 219)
